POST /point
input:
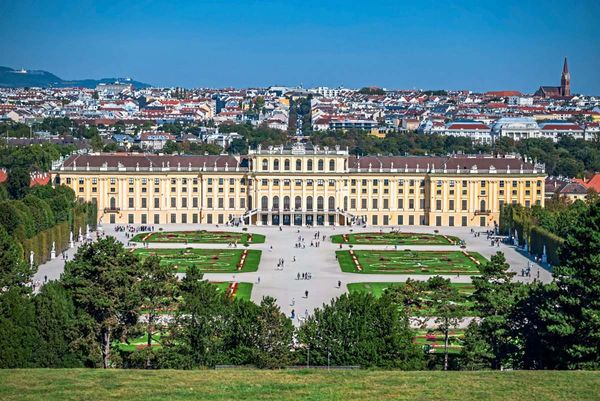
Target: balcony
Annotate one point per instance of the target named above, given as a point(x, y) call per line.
point(112, 210)
point(482, 212)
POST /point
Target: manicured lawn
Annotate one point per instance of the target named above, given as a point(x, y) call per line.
point(377, 289)
point(241, 291)
point(207, 260)
point(200, 237)
point(140, 342)
point(435, 340)
point(296, 385)
point(409, 262)
point(394, 238)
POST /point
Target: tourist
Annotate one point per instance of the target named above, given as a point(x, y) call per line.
point(298, 276)
point(339, 284)
point(306, 294)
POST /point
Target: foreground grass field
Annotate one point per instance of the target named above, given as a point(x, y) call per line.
point(395, 238)
point(200, 237)
point(410, 262)
point(206, 260)
point(240, 384)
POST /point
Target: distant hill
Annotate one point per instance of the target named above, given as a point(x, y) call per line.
point(10, 78)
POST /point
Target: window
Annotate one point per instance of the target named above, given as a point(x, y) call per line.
point(298, 203)
point(144, 203)
point(265, 164)
point(209, 203)
point(194, 202)
point(400, 203)
point(309, 203)
point(184, 218)
point(221, 203)
point(130, 203)
point(309, 165)
point(451, 204)
point(463, 205)
point(264, 203)
point(157, 203)
point(411, 203)
point(173, 218)
point(286, 165)
point(232, 203)
point(320, 205)
point(130, 218)
point(438, 204)
point(298, 164)
point(386, 204)
point(156, 218)
point(320, 165)
point(352, 203)
point(331, 165)
point(173, 202)
point(276, 203)
point(276, 164)
point(331, 203)
point(363, 204)
point(400, 220)
point(184, 202)
point(482, 205)
point(286, 203)
point(451, 221)
point(374, 203)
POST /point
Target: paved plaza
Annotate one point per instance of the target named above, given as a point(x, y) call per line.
point(319, 261)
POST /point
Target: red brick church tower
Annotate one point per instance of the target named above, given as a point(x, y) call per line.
point(565, 81)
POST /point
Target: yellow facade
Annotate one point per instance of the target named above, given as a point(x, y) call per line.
point(300, 186)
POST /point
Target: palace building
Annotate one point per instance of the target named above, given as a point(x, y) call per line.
point(301, 184)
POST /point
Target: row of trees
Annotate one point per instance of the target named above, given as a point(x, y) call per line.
point(108, 296)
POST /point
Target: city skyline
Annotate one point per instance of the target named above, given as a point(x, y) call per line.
point(472, 46)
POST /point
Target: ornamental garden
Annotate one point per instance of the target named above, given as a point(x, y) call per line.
point(394, 238)
point(200, 237)
point(410, 262)
point(206, 260)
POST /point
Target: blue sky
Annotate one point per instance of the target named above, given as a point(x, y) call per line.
point(478, 45)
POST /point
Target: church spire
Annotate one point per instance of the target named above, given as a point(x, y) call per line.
point(565, 81)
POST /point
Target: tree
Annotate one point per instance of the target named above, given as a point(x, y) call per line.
point(358, 329)
point(170, 147)
point(571, 320)
point(447, 307)
point(18, 335)
point(158, 288)
point(198, 324)
point(18, 182)
point(57, 327)
point(273, 336)
point(14, 271)
point(495, 296)
point(102, 281)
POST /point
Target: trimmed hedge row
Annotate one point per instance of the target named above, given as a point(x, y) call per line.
point(514, 219)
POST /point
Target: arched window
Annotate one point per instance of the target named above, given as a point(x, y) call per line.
point(265, 164)
point(331, 165)
point(276, 203)
point(276, 164)
point(345, 203)
point(264, 203)
point(482, 205)
point(298, 203)
point(309, 165)
point(249, 202)
point(298, 164)
point(286, 165)
point(286, 203)
point(331, 203)
point(309, 203)
point(320, 203)
point(113, 203)
point(321, 165)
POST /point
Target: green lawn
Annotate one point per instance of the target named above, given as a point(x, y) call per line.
point(243, 290)
point(377, 289)
point(395, 238)
point(410, 262)
point(435, 340)
point(200, 237)
point(207, 260)
point(298, 385)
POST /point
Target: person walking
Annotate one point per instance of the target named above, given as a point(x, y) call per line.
point(306, 294)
